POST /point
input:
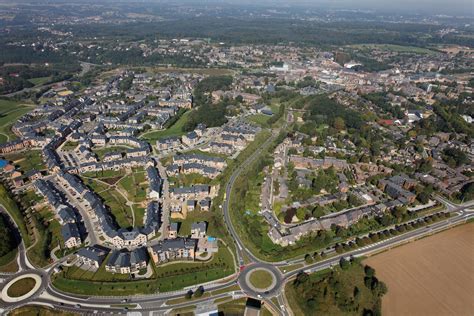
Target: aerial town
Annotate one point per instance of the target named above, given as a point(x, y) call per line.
point(189, 175)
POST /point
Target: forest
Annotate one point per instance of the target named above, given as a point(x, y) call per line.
point(7, 236)
point(349, 289)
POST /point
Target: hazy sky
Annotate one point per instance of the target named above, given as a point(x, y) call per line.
point(439, 6)
point(464, 7)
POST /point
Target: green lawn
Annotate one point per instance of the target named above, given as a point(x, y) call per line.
point(117, 204)
point(21, 287)
point(27, 160)
point(39, 80)
point(69, 145)
point(102, 151)
point(15, 213)
point(168, 278)
point(178, 275)
point(189, 179)
point(175, 130)
point(195, 216)
point(49, 236)
point(259, 119)
point(135, 186)
point(234, 307)
point(114, 200)
point(10, 111)
point(139, 215)
point(105, 174)
point(261, 279)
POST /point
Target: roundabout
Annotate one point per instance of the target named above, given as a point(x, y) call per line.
point(260, 280)
point(21, 288)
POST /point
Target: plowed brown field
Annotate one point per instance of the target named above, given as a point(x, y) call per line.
point(432, 276)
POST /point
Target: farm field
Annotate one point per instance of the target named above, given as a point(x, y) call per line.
point(432, 276)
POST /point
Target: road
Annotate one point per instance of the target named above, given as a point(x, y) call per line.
point(47, 295)
point(147, 303)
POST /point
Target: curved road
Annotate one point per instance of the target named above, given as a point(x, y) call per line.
point(47, 295)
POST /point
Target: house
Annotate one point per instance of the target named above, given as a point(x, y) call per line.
point(155, 183)
point(33, 175)
point(205, 204)
point(124, 261)
point(92, 256)
point(168, 143)
point(190, 205)
point(152, 219)
point(71, 235)
point(173, 249)
point(190, 139)
point(173, 231)
point(198, 230)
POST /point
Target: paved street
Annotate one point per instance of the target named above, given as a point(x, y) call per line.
point(146, 304)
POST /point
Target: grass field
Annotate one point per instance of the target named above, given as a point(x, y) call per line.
point(135, 186)
point(105, 174)
point(175, 130)
point(396, 48)
point(192, 217)
point(437, 271)
point(139, 215)
point(27, 160)
point(39, 80)
point(118, 207)
point(259, 119)
point(261, 279)
point(21, 287)
point(102, 151)
point(114, 200)
point(10, 111)
point(189, 179)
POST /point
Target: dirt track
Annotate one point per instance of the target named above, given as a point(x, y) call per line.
point(432, 276)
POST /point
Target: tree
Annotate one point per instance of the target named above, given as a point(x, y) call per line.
point(423, 197)
point(344, 264)
point(339, 123)
point(308, 259)
point(189, 294)
point(302, 278)
point(467, 192)
point(318, 211)
point(301, 213)
point(199, 291)
point(369, 271)
point(311, 303)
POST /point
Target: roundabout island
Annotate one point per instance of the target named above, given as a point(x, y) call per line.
point(21, 288)
point(260, 280)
